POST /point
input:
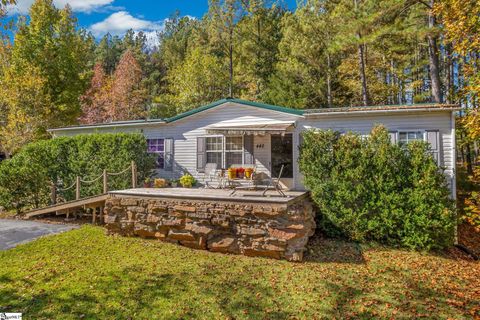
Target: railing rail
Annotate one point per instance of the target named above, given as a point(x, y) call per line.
point(79, 182)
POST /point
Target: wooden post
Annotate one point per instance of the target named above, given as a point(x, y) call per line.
point(105, 182)
point(134, 175)
point(94, 215)
point(77, 191)
point(101, 215)
point(53, 194)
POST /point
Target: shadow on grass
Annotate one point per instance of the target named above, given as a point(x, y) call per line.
point(123, 292)
point(320, 249)
point(132, 292)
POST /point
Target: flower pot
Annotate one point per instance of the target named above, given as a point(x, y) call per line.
point(232, 173)
point(248, 173)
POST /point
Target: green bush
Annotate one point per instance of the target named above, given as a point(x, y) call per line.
point(187, 181)
point(25, 179)
point(367, 188)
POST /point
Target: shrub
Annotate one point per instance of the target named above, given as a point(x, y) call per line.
point(25, 179)
point(370, 189)
point(187, 181)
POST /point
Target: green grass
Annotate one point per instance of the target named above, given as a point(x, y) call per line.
point(85, 274)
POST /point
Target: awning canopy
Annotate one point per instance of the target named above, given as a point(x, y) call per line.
point(257, 128)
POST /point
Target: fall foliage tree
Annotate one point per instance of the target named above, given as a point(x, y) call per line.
point(127, 94)
point(97, 97)
point(43, 74)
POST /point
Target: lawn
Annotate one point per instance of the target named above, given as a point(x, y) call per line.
point(85, 274)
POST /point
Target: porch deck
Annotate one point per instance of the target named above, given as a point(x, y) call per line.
point(213, 194)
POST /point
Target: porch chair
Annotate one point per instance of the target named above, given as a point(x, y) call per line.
point(275, 183)
point(211, 175)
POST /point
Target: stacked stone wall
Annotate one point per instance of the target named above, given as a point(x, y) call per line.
point(279, 231)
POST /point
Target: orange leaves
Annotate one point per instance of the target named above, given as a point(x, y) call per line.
point(120, 96)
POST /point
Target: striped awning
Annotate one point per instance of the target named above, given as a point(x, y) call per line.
point(257, 128)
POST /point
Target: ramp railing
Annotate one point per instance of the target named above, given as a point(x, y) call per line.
point(55, 189)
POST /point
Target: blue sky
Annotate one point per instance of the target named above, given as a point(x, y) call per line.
point(117, 16)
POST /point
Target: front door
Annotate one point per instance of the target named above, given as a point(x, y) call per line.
point(282, 154)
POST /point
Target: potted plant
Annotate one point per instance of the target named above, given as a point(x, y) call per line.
point(232, 173)
point(248, 173)
point(187, 181)
point(147, 183)
point(159, 183)
point(240, 173)
point(174, 183)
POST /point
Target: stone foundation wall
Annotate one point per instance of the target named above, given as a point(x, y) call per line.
point(279, 231)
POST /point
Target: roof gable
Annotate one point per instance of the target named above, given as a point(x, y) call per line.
point(238, 101)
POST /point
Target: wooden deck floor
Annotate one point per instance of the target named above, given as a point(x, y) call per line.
point(212, 194)
point(174, 193)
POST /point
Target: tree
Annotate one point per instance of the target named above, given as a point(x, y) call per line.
point(22, 97)
point(108, 52)
point(50, 43)
point(199, 80)
point(128, 95)
point(222, 19)
point(97, 97)
point(303, 77)
point(257, 51)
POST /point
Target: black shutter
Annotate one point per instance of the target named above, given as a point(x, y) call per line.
point(433, 138)
point(169, 154)
point(248, 149)
point(201, 154)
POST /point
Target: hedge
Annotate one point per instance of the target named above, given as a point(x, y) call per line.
point(25, 179)
point(367, 188)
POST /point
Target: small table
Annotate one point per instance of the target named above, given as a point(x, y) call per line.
point(240, 183)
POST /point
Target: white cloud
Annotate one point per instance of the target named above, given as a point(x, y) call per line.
point(22, 6)
point(119, 22)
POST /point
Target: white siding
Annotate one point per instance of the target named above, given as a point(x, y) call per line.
point(185, 132)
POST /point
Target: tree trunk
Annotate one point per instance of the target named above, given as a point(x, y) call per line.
point(363, 77)
point(230, 57)
point(329, 82)
point(449, 73)
point(469, 159)
point(433, 60)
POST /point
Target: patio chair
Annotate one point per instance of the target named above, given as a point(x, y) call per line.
point(275, 183)
point(211, 175)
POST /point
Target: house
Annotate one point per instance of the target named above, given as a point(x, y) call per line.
point(233, 131)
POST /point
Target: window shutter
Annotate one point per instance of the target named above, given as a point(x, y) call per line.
point(169, 154)
point(201, 154)
point(248, 149)
point(433, 138)
point(393, 136)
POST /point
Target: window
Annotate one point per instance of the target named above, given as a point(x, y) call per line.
point(214, 150)
point(405, 137)
point(282, 154)
point(157, 146)
point(233, 151)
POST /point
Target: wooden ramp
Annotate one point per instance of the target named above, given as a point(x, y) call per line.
point(70, 206)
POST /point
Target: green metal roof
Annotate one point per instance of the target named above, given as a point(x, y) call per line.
point(239, 101)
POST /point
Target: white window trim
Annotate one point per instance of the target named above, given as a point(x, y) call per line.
point(158, 152)
point(397, 133)
point(224, 150)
